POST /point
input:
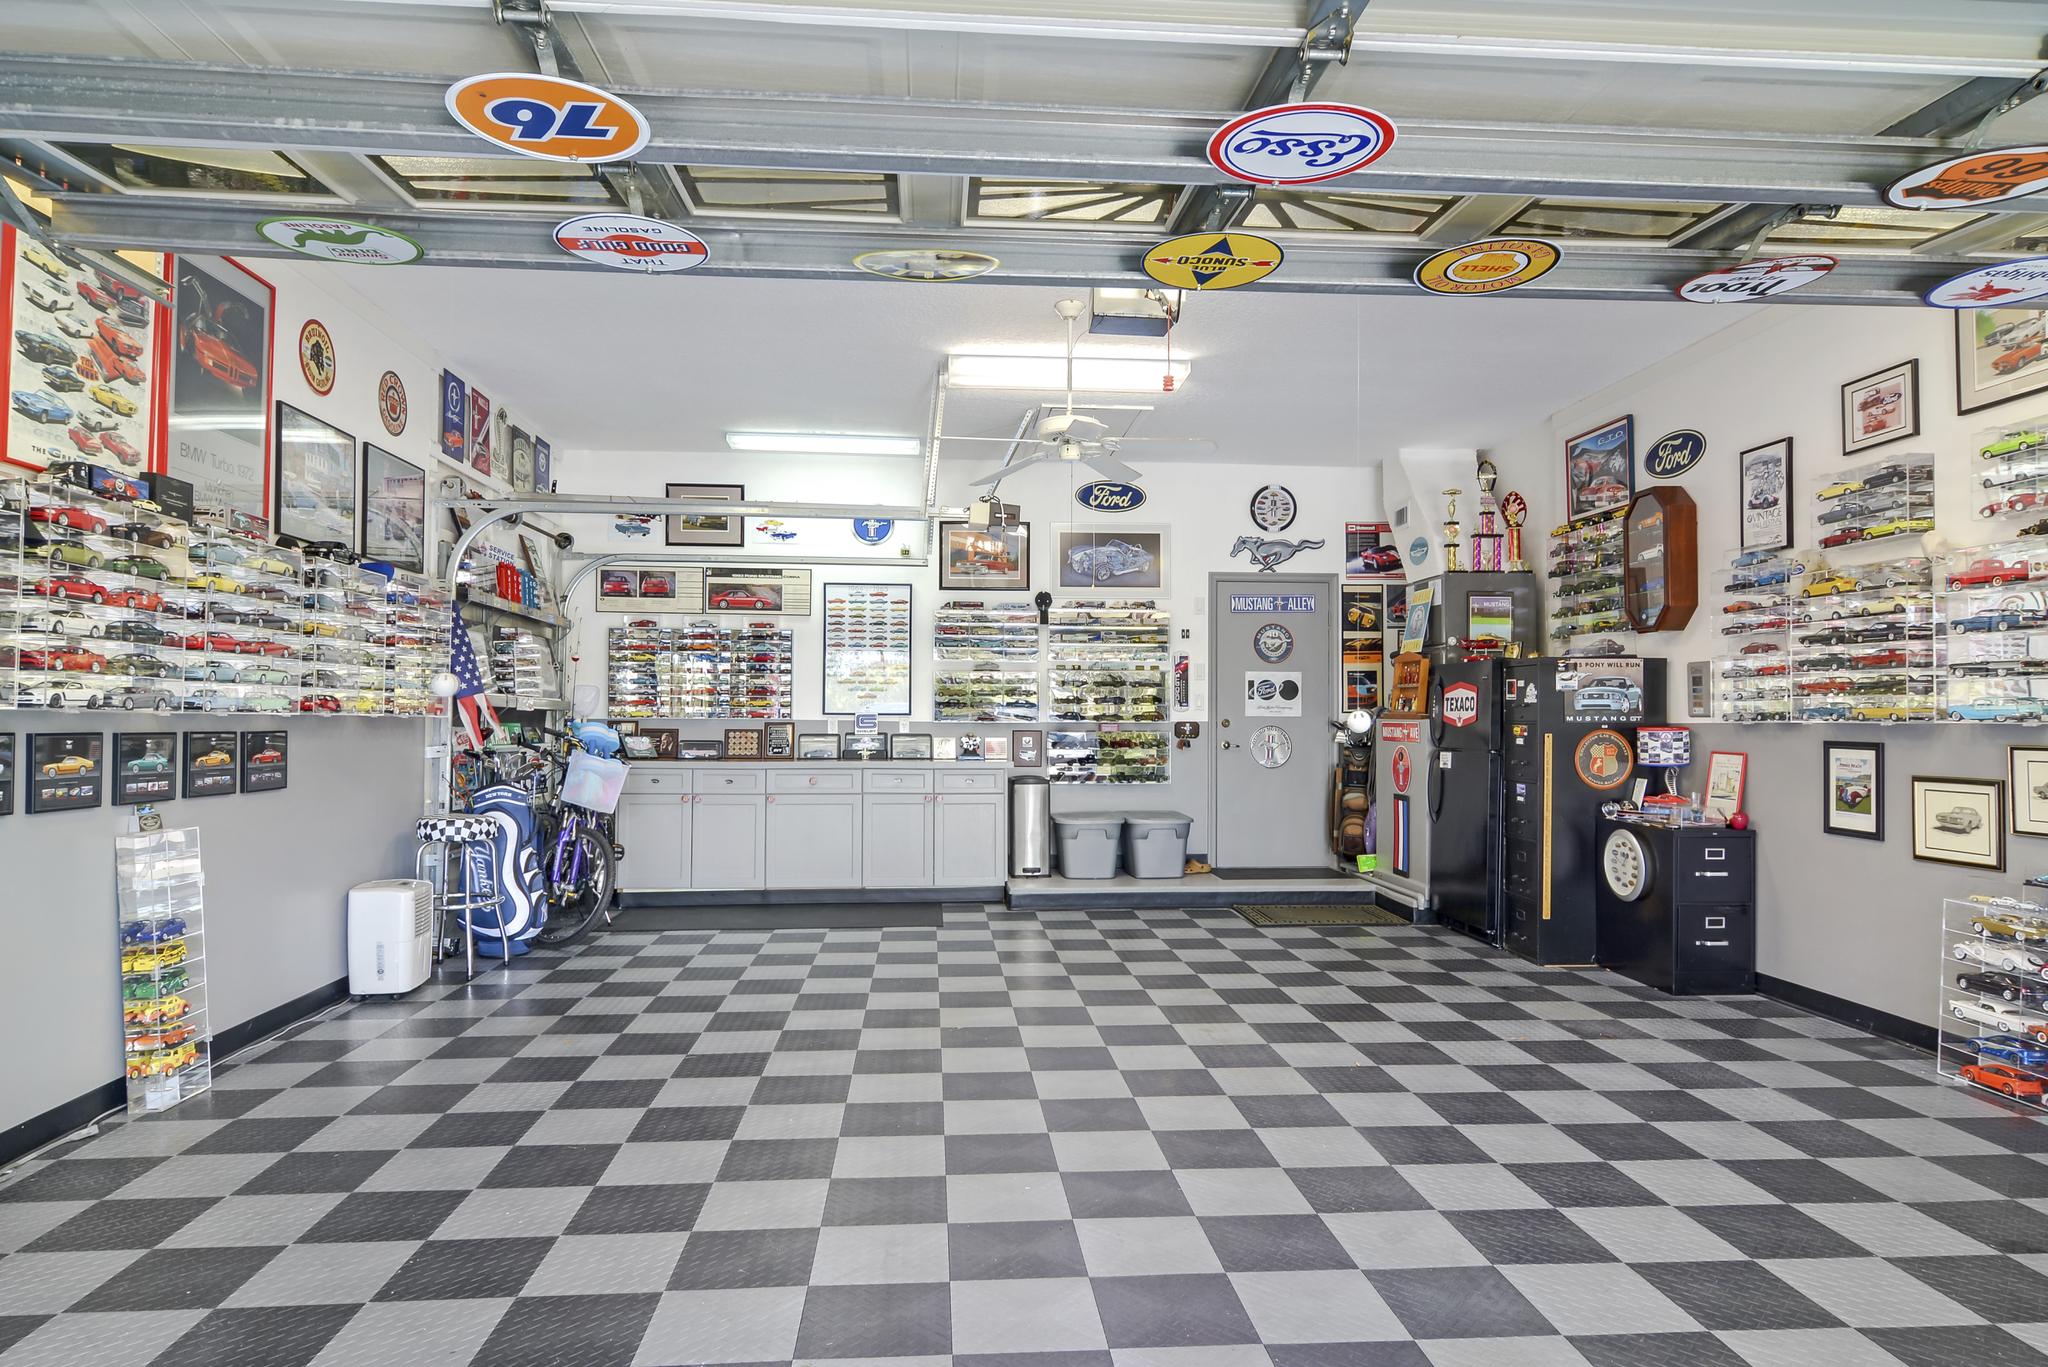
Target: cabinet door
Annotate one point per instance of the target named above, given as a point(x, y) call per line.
point(896, 835)
point(725, 840)
point(968, 841)
point(655, 829)
point(814, 840)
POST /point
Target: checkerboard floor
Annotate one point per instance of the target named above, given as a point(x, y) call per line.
point(1156, 1139)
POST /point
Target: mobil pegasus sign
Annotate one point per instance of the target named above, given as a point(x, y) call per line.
point(1109, 496)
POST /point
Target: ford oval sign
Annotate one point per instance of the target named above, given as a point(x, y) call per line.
point(1672, 455)
point(1109, 496)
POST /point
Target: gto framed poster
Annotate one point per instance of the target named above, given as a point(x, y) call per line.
point(67, 771)
point(210, 760)
point(317, 479)
point(1600, 468)
point(394, 507)
point(220, 384)
point(264, 760)
point(145, 767)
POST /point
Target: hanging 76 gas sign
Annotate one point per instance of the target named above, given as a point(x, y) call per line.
point(548, 117)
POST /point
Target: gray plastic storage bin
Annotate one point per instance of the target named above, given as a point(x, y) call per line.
point(1156, 844)
point(1087, 845)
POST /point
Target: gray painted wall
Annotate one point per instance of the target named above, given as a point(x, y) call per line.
point(278, 868)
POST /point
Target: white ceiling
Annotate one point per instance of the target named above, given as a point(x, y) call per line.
point(614, 362)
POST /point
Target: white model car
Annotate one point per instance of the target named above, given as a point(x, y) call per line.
point(57, 693)
point(1999, 954)
point(1997, 1015)
point(59, 622)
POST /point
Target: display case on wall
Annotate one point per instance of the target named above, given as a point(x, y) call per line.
point(1875, 501)
point(700, 670)
point(985, 661)
point(346, 663)
point(1752, 673)
point(2012, 470)
point(1994, 602)
point(1108, 663)
point(160, 902)
point(1993, 1000)
point(1660, 574)
point(1584, 574)
point(1865, 644)
point(419, 620)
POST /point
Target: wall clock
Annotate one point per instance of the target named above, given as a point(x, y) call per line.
point(1273, 508)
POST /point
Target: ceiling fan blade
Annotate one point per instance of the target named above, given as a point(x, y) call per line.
point(1006, 471)
point(1006, 441)
point(1201, 443)
point(1108, 466)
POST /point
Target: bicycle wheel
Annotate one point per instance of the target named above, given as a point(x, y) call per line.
point(575, 906)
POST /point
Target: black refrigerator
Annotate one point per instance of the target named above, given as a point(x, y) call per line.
point(1562, 761)
point(1463, 795)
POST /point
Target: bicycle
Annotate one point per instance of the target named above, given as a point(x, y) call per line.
point(578, 846)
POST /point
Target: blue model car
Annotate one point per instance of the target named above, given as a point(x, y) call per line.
point(1987, 621)
point(1748, 558)
point(1782, 574)
point(2009, 1049)
point(1825, 711)
point(1993, 709)
point(152, 932)
point(39, 405)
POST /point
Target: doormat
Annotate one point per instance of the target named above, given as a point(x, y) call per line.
point(1275, 875)
point(790, 916)
point(1353, 914)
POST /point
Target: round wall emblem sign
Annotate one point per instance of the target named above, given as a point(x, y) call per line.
point(391, 402)
point(1265, 690)
point(1753, 280)
point(1273, 643)
point(1672, 454)
point(1972, 179)
point(1418, 550)
point(1212, 261)
point(925, 264)
point(1488, 267)
point(1603, 760)
point(316, 356)
point(340, 239)
point(1271, 747)
point(1299, 144)
point(1273, 508)
point(547, 117)
point(1999, 286)
point(632, 242)
point(873, 531)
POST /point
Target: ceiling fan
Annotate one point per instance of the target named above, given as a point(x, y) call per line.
point(1071, 436)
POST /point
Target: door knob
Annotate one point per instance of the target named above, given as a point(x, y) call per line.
point(1226, 745)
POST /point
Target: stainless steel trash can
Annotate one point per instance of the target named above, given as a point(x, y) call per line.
point(1030, 827)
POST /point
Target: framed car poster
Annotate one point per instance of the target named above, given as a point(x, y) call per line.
point(1600, 468)
point(479, 431)
point(1764, 491)
point(543, 467)
point(212, 760)
point(2026, 769)
point(2001, 354)
point(1727, 778)
point(1853, 789)
point(699, 529)
point(522, 460)
point(1881, 408)
point(1959, 821)
point(264, 760)
point(6, 773)
point(145, 767)
point(867, 649)
point(220, 384)
point(997, 559)
point(67, 770)
point(317, 479)
point(454, 418)
point(1122, 561)
point(394, 505)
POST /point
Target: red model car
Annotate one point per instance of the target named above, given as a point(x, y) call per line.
point(1989, 571)
point(2025, 499)
point(85, 441)
point(72, 658)
point(1885, 659)
point(120, 341)
point(1824, 686)
point(2026, 353)
point(77, 519)
point(142, 600)
point(2000, 1078)
point(69, 586)
point(265, 648)
point(267, 756)
point(740, 598)
point(1843, 537)
point(320, 702)
point(115, 443)
point(218, 359)
point(1760, 648)
point(1769, 671)
point(211, 640)
point(95, 296)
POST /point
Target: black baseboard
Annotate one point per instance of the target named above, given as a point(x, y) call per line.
point(772, 897)
point(277, 1018)
point(1881, 1023)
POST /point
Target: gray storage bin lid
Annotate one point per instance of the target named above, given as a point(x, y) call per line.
point(1155, 820)
point(1089, 821)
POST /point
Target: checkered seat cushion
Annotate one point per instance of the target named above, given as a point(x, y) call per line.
point(454, 828)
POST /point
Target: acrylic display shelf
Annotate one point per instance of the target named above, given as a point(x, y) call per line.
point(166, 1040)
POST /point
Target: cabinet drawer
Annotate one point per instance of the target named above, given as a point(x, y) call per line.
point(1716, 870)
point(814, 781)
point(646, 780)
point(898, 781)
point(986, 781)
point(738, 781)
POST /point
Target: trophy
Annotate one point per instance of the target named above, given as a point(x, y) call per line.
point(1514, 510)
point(1486, 540)
point(1451, 529)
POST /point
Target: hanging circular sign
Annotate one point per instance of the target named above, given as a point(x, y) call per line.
point(316, 356)
point(1299, 144)
point(632, 243)
point(1752, 280)
point(925, 263)
point(341, 239)
point(1402, 768)
point(1488, 267)
point(1212, 261)
point(1271, 747)
point(1602, 759)
point(1418, 550)
point(1673, 454)
point(2000, 286)
point(391, 402)
point(873, 531)
point(547, 117)
point(1972, 179)
point(1273, 508)
point(1273, 643)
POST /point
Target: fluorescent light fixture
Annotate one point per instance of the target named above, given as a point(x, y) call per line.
point(1124, 373)
point(823, 443)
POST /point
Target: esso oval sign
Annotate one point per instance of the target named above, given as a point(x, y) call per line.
point(1299, 144)
point(548, 117)
point(1461, 704)
point(1109, 496)
point(1673, 454)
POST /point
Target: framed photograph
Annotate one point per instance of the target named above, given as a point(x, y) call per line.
point(67, 770)
point(1118, 561)
point(945, 748)
point(1881, 407)
point(212, 760)
point(1764, 495)
point(220, 384)
point(905, 745)
point(994, 558)
point(996, 748)
point(316, 479)
point(2026, 769)
point(265, 757)
point(394, 510)
point(1959, 821)
point(817, 745)
point(1600, 468)
point(700, 749)
point(778, 740)
point(1727, 775)
point(145, 767)
point(1027, 749)
point(1852, 798)
point(2001, 354)
point(698, 530)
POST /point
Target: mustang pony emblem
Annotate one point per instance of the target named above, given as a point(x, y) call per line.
point(333, 237)
point(1267, 554)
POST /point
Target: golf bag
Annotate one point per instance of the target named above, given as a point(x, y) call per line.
point(508, 869)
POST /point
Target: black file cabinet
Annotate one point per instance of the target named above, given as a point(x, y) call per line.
point(1676, 906)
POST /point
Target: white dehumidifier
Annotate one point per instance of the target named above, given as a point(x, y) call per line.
point(390, 936)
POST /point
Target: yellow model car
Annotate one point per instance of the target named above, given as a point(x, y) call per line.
point(149, 958)
point(320, 629)
point(213, 759)
point(1889, 712)
point(67, 766)
point(1828, 585)
point(159, 1062)
point(1841, 488)
point(2010, 925)
point(1899, 525)
point(108, 397)
point(362, 702)
point(215, 580)
point(267, 564)
point(154, 1011)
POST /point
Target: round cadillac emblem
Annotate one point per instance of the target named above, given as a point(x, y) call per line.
point(1273, 508)
point(1273, 643)
point(316, 356)
point(1271, 747)
point(391, 402)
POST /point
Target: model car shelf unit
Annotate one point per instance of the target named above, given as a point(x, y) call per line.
point(1108, 667)
point(985, 661)
point(700, 670)
point(1584, 575)
point(1865, 642)
point(1752, 675)
point(1875, 502)
point(1994, 999)
point(1995, 603)
point(160, 900)
point(2012, 473)
point(527, 645)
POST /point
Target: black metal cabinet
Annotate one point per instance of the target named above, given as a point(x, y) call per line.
point(1677, 906)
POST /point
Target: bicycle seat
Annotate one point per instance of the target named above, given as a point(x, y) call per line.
point(597, 738)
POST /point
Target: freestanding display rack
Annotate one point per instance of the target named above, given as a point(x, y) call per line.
point(1993, 999)
point(164, 1029)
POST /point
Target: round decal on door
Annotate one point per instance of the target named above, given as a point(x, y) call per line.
point(632, 242)
point(1498, 263)
point(547, 116)
point(1271, 747)
point(1753, 280)
point(391, 402)
point(1603, 760)
point(1265, 690)
point(316, 356)
point(1300, 144)
point(1402, 768)
point(1972, 179)
point(1272, 643)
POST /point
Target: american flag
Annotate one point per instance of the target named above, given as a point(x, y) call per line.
point(477, 714)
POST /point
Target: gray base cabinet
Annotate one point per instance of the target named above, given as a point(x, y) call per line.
point(726, 841)
point(897, 840)
point(968, 839)
point(814, 840)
